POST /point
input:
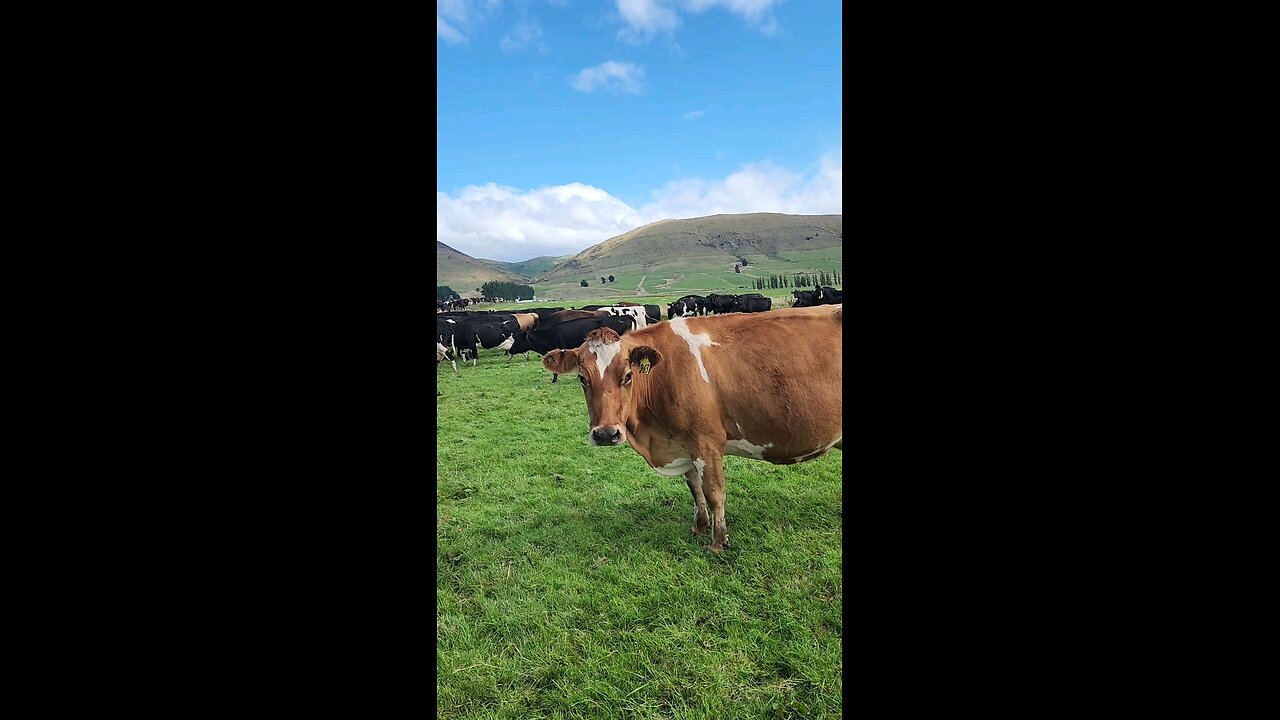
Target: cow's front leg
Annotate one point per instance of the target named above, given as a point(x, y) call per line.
point(701, 520)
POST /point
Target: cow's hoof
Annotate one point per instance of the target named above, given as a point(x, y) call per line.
point(716, 547)
point(698, 531)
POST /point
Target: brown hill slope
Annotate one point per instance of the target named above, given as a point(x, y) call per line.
point(717, 236)
point(464, 273)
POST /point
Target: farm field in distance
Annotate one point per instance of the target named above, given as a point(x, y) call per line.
point(568, 583)
point(696, 276)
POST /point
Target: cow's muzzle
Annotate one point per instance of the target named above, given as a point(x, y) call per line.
point(608, 435)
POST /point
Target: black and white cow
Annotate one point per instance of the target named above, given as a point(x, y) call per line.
point(632, 311)
point(568, 334)
point(495, 331)
point(687, 306)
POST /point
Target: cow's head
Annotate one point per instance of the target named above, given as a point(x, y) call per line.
point(608, 373)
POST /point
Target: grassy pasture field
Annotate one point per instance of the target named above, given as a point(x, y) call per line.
point(568, 584)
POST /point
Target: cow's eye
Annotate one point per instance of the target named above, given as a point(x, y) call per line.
point(582, 380)
point(627, 380)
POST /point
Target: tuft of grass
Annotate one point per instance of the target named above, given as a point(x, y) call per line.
point(568, 583)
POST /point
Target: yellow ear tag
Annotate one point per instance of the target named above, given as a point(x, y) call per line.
point(644, 366)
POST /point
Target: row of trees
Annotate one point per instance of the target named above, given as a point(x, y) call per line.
point(799, 280)
point(584, 283)
point(507, 290)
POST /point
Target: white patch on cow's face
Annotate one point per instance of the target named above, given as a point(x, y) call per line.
point(605, 353)
point(506, 344)
point(696, 342)
point(744, 448)
point(679, 466)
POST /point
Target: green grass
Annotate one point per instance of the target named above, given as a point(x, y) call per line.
point(568, 584)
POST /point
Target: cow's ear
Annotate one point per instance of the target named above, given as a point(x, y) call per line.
point(560, 362)
point(645, 358)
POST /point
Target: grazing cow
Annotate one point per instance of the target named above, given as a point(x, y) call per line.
point(445, 348)
point(566, 315)
point(687, 392)
point(489, 332)
point(568, 334)
point(753, 303)
point(526, 320)
point(637, 312)
point(686, 306)
point(806, 298)
point(720, 304)
point(442, 353)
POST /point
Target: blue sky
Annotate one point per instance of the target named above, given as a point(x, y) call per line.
point(561, 123)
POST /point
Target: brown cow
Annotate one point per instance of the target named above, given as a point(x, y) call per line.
point(567, 315)
point(685, 393)
point(525, 320)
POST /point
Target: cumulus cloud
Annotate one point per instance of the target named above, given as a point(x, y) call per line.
point(756, 187)
point(693, 115)
point(523, 36)
point(611, 75)
point(647, 18)
point(505, 223)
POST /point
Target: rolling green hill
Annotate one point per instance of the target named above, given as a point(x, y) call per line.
point(464, 273)
point(532, 267)
point(668, 258)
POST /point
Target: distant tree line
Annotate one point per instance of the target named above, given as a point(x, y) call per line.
point(799, 280)
point(507, 290)
point(444, 292)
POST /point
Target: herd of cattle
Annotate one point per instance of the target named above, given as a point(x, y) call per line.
point(461, 333)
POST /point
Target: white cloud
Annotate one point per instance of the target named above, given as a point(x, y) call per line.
point(525, 35)
point(448, 32)
point(693, 115)
point(611, 75)
point(756, 187)
point(505, 223)
point(647, 18)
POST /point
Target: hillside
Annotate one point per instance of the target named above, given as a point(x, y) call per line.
point(532, 267)
point(464, 273)
point(714, 240)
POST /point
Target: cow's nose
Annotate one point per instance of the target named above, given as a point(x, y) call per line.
point(606, 436)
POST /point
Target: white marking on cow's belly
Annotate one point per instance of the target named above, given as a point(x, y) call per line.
point(506, 344)
point(696, 342)
point(605, 352)
point(679, 466)
point(744, 448)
